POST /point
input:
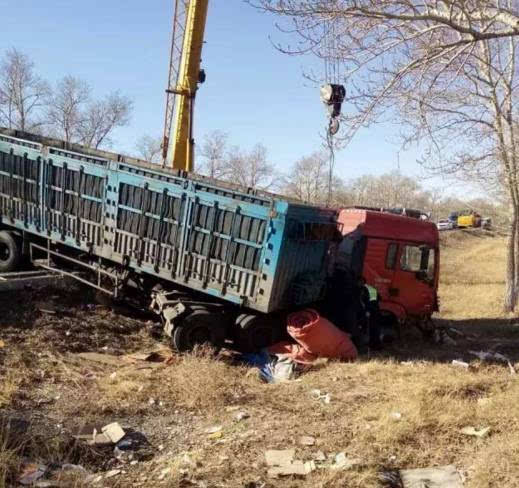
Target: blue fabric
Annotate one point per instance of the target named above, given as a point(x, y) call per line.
point(263, 361)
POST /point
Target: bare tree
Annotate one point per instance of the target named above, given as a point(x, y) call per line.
point(213, 152)
point(446, 68)
point(250, 168)
point(388, 190)
point(101, 118)
point(307, 180)
point(22, 92)
point(149, 148)
point(66, 106)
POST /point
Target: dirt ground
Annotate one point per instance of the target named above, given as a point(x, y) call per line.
point(208, 421)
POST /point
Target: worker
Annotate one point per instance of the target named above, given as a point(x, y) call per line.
point(343, 302)
point(371, 313)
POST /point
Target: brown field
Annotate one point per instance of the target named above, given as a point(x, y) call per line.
point(42, 381)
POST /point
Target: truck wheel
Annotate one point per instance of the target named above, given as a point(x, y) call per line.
point(10, 252)
point(254, 332)
point(199, 327)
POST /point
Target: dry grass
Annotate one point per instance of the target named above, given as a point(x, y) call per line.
point(175, 404)
point(472, 274)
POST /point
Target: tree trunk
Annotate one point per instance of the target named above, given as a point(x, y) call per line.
point(511, 282)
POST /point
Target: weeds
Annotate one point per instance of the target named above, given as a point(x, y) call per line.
point(174, 404)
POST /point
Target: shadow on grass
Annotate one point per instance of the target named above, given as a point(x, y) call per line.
point(498, 335)
point(66, 321)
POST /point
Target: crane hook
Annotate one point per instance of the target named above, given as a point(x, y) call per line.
point(333, 95)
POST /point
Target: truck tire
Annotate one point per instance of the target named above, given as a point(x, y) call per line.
point(10, 252)
point(199, 327)
point(254, 332)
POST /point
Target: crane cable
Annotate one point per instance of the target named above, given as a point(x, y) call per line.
point(331, 149)
point(332, 94)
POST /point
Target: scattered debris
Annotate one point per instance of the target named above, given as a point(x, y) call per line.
point(122, 441)
point(99, 440)
point(215, 435)
point(74, 467)
point(275, 457)
point(114, 432)
point(298, 468)
point(343, 462)
point(440, 477)
point(324, 397)
point(112, 473)
point(96, 357)
point(273, 368)
point(214, 432)
point(31, 473)
point(46, 476)
point(47, 311)
point(282, 463)
point(475, 432)
point(307, 440)
point(159, 355)
point(486, 356)
point(396, 416)
point(284, 369)
point(2, 344)
point(460, 364)
point(241, 416)
point(494, 356)
point(214, 429)
point(132, 441)
point(319, 456)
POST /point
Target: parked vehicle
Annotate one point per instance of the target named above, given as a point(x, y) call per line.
point(219, 260)
point(409, 212)
point(397, 255)
point(445, 224)
point(469, 218)
point(486, 223)
point(453, 218)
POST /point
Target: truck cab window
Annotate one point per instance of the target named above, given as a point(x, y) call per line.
point(392, 251)
point(431, 264)
point(415, 258)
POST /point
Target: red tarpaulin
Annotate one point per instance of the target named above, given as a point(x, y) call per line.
point(315, 337)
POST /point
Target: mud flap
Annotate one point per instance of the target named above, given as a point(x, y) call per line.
point(170, 314)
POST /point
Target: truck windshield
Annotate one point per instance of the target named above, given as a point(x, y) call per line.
point(418, 259)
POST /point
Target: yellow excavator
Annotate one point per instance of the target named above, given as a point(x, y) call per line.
point(185, 75)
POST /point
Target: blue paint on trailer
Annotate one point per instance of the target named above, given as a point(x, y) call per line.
point(243, 246)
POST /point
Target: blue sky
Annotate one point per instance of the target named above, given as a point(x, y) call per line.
point(252, 92)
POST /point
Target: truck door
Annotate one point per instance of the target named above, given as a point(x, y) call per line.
point(379, 265)
point(413, 283)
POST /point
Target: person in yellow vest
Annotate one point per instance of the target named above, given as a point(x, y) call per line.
point(369, 299)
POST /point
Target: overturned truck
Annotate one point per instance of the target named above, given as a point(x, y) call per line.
point(216, 260)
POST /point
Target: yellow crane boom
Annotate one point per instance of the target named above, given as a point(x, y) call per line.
point(184, 76)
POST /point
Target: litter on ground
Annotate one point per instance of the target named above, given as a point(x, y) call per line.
point(472, 431)
point(441, 477)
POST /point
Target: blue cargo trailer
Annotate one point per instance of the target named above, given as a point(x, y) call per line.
point(237, 250)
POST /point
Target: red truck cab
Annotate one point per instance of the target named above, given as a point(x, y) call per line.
point(397, 255)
